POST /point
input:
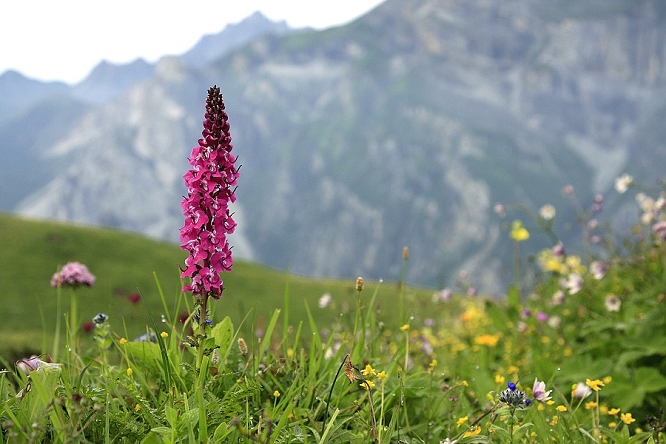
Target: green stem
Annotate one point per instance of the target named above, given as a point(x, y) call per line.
point(356, 322)
point(73, 322)
point(56, 337)
point(516, 266)
point(202, 367)
point(403, 277)
point(202, 330)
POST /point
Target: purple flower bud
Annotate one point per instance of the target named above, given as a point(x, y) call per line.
point(558, 249)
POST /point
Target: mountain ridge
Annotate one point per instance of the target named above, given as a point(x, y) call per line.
point(403, 127)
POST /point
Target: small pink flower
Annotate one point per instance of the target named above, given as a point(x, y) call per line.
point(539, 391)
point(73, 274)
point(30, 364)
point(442, 296)
point(34, 363)
point(541, 316)
point(499, 209)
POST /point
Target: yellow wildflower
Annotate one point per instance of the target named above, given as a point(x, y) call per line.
point(488, 340)
point(164, 334)
point(608, 379)
point(518, 232)
point(612, 425)
point(591, 405)
point(367, 385)
point(122, 341)
point(475, 431)
point(404, 327)
point(129, 371)
point(382, 375)
point(368, 371)
point(137, 407)
point(462, 420)
point(614, 412)
point(561, 408)
point(627, 418)
point(595, 385)
point(553, 422)
point(574, 264)
point(276, 394)
point(499, 379)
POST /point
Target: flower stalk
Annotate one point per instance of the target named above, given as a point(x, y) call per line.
point(211, 188)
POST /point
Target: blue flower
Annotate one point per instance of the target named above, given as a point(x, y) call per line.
point(514, 397)
point(100, 319)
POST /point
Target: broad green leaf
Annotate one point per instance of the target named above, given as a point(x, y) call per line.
point(223, 333)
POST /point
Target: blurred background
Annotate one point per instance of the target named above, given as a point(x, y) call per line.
point(361, 127)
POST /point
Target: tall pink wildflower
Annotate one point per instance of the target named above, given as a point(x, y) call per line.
point(211, 184)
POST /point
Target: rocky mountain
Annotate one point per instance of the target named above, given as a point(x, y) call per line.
point(403, 127)
point(107, 81)
point(19, 92)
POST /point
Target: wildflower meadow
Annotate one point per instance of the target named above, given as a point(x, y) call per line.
point(574, 352)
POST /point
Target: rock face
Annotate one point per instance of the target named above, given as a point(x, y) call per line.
point(401, 128)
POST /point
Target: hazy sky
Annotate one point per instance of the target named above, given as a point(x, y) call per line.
point(65, 39)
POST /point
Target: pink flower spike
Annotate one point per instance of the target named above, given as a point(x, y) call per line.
point(211, 185)
point(539, 391)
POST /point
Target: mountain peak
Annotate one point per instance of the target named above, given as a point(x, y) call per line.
point(213, 46)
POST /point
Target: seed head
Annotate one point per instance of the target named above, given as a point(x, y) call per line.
point(359, 284)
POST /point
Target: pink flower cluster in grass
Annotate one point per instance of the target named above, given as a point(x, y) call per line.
point(73, 274)
point(211, 185)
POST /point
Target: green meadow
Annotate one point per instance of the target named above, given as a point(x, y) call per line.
point(126, 263)
point(574, 353)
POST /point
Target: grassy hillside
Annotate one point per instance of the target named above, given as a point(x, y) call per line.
point(125, 263)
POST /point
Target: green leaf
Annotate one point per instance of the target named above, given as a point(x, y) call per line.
point(152, 438)
point(171, 415)
point(513, 297)
point(221, 432)
point(223, 334)
point(616, 437)
point(640, 437)
point(144, 353)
